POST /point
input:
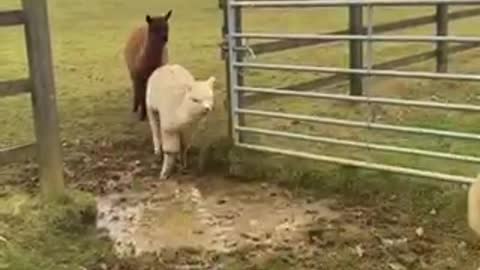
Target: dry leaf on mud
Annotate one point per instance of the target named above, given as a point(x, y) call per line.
point(419, 231)
point(359, 250)
point(250, 236)
point(3, 239)
point(396, 266)
point(389, 242)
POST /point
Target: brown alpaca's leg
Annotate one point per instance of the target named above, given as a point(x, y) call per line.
point(135, 102)
point(181, 156)
point(183, 153)
point(142, 101)
point(136, 90)
point(143, 110)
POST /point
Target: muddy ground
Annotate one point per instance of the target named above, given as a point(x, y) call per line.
point(216, 222)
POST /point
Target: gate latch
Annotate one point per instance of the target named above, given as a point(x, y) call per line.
point(244, 49)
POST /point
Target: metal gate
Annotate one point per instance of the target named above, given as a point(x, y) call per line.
point(236, 46)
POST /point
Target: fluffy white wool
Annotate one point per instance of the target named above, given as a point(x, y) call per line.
point(474, 207)
point(180, 101)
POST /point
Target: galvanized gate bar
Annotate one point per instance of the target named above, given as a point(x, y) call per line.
point(369, 146)
point(359, 124)
point(362, 164)
point(366, 35)
point(384, 38)
point(375, 72)
point(378, 100)
point(336, 3)
point(282, 45)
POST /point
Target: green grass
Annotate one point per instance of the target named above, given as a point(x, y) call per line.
point(35, 235)
point(94, 90)
point(94, 101)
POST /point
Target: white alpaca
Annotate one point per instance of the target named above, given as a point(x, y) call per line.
point(474, 207)
point(181, 102)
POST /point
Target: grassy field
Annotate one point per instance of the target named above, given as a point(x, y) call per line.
point(94, 91)
point(95, 109)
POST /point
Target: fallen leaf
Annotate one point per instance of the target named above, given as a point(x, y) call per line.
point(359, 250)
point(419, 231)
point(396, 266)
point(250, 236)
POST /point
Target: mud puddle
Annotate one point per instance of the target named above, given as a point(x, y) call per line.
point(219, 217)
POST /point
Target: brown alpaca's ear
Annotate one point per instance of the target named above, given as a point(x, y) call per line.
point(148, 19)
point(169, 14)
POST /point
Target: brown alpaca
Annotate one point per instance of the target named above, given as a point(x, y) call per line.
point(146, 50)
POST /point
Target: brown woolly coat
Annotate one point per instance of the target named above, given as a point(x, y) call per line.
point(135, 46)
point(137, 65)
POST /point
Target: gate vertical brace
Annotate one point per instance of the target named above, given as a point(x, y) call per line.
point(233, 22)
point(442, 30)
point(49, 152)
point(224, 55)
point(239, 57)
point(356, 48)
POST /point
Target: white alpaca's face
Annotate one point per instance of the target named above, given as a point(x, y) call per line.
point(200, 96)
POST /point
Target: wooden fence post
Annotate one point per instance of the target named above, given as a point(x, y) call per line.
point(442, 30)
point(49, 152)
point(356, 48)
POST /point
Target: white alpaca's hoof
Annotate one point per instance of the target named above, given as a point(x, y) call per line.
point(164, 176)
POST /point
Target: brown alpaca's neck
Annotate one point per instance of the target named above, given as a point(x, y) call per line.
point(152, 54)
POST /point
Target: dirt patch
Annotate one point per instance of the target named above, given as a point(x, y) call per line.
point(214, 222)
point(192, 223)
point(222, 218)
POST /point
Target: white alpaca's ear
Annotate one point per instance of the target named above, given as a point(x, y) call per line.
point(211, 81)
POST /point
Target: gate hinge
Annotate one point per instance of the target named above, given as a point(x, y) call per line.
point(223, 49)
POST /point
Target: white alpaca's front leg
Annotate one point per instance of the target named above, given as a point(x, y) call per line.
point(171, 148)
point(168, 165)
point(155, 128)
point(473, 207)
